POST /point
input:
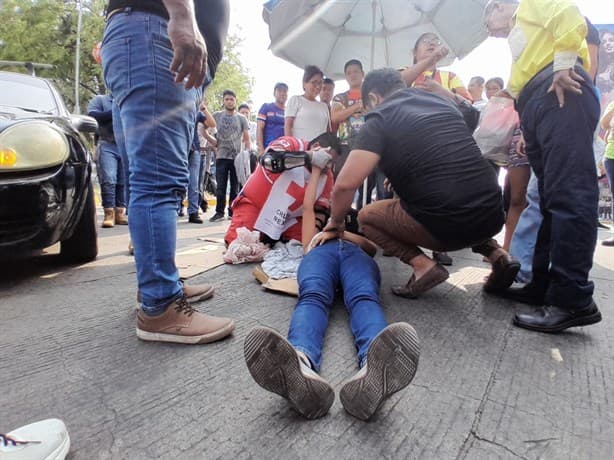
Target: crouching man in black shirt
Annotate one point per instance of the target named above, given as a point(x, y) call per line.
point(449, 197)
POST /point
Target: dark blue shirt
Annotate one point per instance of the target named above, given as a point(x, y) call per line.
point(273, 118)
point(200, 118)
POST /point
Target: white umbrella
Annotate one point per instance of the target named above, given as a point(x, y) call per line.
point(380, 33)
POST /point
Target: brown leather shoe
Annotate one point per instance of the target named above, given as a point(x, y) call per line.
point(416, 287)
point(503, 274)
point(120, 216)
point(181, 323)
point(198, 292)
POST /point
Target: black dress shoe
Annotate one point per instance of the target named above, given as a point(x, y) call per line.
point(504, 271)
point(195, 219)
point(555, 319)
point(529, 294)
point(602, 225)
point(609, 242)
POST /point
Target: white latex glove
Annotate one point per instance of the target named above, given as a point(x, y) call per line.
point(320, 158)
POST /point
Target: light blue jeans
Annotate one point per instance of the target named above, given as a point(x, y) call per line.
point(523, 242)
point(157, 119)
point(337, 263)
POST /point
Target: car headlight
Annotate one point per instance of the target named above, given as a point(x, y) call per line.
point(32, 145)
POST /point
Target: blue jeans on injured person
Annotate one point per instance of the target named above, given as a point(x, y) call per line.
point(157, 119)
point(111, 175)
point(193, 183)
point(336, 263)
point(522, 246)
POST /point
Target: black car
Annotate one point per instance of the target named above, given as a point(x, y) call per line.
point(46, 194)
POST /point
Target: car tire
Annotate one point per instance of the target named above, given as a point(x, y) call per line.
point(82, 246)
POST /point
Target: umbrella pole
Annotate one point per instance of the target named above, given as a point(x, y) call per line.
point(372, 64)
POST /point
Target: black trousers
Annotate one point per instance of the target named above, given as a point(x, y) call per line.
point(559, 143)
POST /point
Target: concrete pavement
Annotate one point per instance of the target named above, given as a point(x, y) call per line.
point(484, 389)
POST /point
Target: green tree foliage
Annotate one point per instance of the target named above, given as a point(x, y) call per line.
point(230, 75)
point(45, 31)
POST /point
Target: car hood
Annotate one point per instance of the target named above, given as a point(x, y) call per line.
point(13, 115)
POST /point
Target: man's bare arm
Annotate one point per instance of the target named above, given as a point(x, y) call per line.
point(260, 136)
point(189, 48)
point(246, 140)
point(339, 114)
point(288, 125)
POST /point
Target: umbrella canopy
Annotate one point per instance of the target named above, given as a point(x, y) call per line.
point(380, 33)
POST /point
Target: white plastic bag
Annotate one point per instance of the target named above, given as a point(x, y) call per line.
point(246, 248)
point(494, 134)
point(242, 166)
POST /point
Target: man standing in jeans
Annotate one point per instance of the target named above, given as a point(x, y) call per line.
point(155, 62)
point(559, 111)
point(232, 128)
point(109, 165)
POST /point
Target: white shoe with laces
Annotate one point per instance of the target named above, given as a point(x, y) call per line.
point(44, 440)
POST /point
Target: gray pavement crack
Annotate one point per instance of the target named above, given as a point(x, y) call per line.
point(468, 442)
point(504, 447)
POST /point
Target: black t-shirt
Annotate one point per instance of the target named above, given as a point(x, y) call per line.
point(212, 17)
point(434, 166)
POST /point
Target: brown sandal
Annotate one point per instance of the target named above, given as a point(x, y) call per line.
point(414, 288)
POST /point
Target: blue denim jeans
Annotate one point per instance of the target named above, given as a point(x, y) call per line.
point(522, 246)
point(225, 169)
point(322, 270)
point(193, 183)
point(111, 176)
point(157, 119)
point(120, 144)
point(559, 144)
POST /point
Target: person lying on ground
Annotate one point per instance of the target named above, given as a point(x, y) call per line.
point(449, 197)
point(387, 354)
point(272, 199)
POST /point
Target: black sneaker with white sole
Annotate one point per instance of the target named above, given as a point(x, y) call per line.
point(392, 361)
point(277, 367)
point(216, 217)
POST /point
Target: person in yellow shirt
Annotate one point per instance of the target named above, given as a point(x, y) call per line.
point(607, 123)
point(559, 111)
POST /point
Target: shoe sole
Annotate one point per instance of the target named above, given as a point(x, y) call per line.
point(274, 365)
point(392, 361)
point(575, 322)
point(62, 450)
point(186, 339)
point(505, 279)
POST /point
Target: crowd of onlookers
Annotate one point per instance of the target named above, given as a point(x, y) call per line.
point(305, 174)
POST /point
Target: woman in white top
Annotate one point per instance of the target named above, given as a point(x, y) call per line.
point(307, 118)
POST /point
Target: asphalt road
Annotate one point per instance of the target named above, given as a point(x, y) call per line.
point(484, 389)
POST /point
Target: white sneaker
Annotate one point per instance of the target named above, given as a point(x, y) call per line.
point(44, 440)
point(276, 366)
point(392, 361)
